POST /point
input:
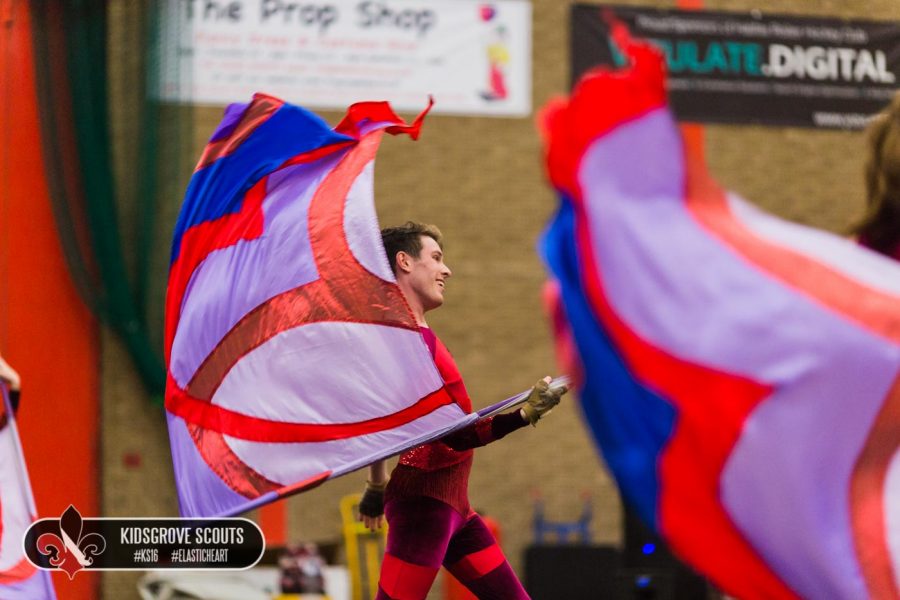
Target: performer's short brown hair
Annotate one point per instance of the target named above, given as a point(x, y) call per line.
point(408, 238)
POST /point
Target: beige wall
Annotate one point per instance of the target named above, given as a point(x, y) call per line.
point(481, 181)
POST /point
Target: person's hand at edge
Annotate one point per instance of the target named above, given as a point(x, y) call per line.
point(371, 506)
point(9, 376)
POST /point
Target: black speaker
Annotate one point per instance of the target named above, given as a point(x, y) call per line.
point(643, 548)
point(571, 572)
point(651, 571)
point(645, 584)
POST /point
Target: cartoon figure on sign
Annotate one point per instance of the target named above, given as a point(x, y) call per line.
point(497, 53)
point(70, 551)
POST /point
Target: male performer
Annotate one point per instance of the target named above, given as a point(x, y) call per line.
point(426, 501)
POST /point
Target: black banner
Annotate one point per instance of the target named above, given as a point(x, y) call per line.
point(71, 543)
point(754, 68)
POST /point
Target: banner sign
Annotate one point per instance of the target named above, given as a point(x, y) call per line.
point(754, 68)
point(473, 57)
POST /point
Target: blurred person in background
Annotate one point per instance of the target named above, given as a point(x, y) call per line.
point(879, 229)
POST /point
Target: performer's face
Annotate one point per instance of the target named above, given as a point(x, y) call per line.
point(428, 274)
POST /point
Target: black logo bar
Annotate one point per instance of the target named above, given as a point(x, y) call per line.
point(72, 543)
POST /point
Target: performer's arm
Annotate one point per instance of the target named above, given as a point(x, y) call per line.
point(485, 431)
point(371, 506)
point(540, 401)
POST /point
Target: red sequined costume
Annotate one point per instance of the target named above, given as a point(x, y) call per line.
point(891, 253)
point(427, 508)
point(896, 253)
point(440, 470)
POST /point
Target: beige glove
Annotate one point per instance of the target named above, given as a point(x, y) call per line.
point(541, 400)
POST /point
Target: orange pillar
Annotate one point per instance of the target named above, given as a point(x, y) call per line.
point(46, 332)
point(272, 519)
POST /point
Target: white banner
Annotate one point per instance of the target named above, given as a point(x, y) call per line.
point(474, 57)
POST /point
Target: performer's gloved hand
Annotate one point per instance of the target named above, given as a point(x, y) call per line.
point(371, 506)
point(541, 400)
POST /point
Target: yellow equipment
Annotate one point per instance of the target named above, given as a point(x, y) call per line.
point(365, 550)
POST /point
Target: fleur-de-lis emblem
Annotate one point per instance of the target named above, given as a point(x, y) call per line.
point(70, 551)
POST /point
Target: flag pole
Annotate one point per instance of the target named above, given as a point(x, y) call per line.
point(519, 399)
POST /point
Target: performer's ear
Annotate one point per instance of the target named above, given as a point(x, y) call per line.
point(404, 261)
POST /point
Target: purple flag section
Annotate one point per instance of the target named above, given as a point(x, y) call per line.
point(740, 373)
point(19, 579)
point(292, 355)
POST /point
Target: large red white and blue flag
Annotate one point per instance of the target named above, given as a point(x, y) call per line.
point(740, 374)
point(292, 355)
point(19, 579)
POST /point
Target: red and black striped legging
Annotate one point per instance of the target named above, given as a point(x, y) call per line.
point(424, 534)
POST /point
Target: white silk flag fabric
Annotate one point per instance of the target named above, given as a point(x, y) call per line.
point(19, 579)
